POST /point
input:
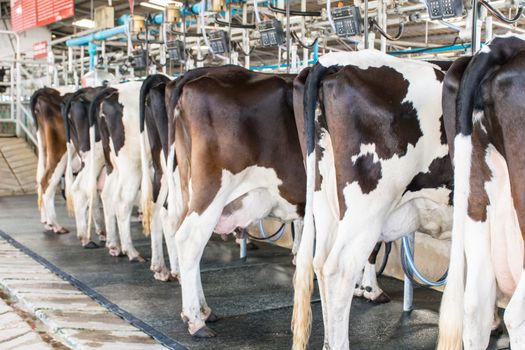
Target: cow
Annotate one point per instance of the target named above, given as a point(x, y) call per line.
point(45, 108)
point(79, 149)
point(115, 113)
point(377, 168)
point(238, 160)
point(367, 286)
point(486, 126)
point(154, 187)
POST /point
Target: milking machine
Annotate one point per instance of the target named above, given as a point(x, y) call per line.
point(411, 272)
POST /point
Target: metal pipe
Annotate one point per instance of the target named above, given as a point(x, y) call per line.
point(456, 47)
point(450, 25)
point(474, 27)
point(303, 32)
point(287, 36)
point(92, 50)
point(383, 21)
point(82, 61)
point(203, 26)
point(256, 11)
point(488, 28)
point(408, 291)
point(102, 35)
point(64, 39)
point(366, 25)
point(11, 91)
point(329, 15)
point(245, 36)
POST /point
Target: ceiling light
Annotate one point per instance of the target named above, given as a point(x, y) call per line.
point(153, 6)
point(84, 23)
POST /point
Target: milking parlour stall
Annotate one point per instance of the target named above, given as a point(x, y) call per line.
point(262, 174)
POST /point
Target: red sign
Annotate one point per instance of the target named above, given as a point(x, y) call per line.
point(40, 50)
point(27, 14)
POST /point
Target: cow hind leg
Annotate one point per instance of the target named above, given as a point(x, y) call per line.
point(40, 171)
point(124, 210)
point(112, 238)
point(98, 218)
point(480, 287)
point(48, 197)
point(158, 266)
point(80, 201)
point(298, 231)
point(169, 235)
point(337, 301)
point(515, 316)
point(191, 238)
point(368, 287)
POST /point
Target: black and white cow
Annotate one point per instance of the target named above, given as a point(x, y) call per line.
point(238, 161)
point(91, 159)
point(377, 169)
point(115, 112)
point(487, 127)
point(154, 186)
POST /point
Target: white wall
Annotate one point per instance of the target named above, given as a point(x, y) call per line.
point(27, 39)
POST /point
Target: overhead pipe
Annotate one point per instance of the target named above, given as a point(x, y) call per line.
point(102, 35)
point(455, 47)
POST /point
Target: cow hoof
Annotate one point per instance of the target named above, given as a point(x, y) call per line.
point(101, 236)
point(91, 245)
point(252, 246)
point(205, 332)
point(383, 298)
point(60, 230)
point(212, 318)
point(137, 258)
point(114, 251)
point(156, 268)
point(175, 276)
point(163, 276)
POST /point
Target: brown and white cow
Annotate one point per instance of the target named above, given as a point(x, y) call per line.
point(377, 169)
point(486, 124)
point(80, 150)
point(154, 186)
point(115, 112)
point(238, 161)
point(45, 108)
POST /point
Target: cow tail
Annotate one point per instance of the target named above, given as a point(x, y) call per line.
point(32, 104)
point(68, 178)
point(171, 104)
point(92, 182)
point(145, 156)
point(304, 272)
point(469, 103)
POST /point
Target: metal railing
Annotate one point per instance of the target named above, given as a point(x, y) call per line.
point(25, 76)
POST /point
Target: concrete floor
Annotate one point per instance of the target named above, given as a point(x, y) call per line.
point(253, 298)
